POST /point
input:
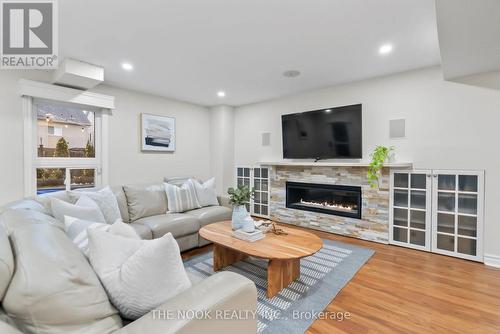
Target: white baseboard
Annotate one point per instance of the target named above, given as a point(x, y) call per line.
point(492, 260)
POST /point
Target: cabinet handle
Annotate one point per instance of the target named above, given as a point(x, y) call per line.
point(435, 175)
point(429, 175)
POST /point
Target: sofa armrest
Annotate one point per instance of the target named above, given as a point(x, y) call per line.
point(223, 303)
point(224, 201)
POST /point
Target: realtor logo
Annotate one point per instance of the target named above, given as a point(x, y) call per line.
point(29, 34)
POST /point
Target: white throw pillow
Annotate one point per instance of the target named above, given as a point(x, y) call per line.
point(181, 199)
point(205, 192)
point(84, 208)
point(138, 275)
point(105, 199)
point(77, 231)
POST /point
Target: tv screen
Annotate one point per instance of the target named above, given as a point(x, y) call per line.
point(331, 133)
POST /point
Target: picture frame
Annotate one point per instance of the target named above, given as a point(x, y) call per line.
point(157, 133)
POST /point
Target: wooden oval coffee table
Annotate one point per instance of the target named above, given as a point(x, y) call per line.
point(283, 252)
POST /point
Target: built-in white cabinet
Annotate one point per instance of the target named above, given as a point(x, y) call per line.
point(410, 213)
point(439, 211)
point(258, 179)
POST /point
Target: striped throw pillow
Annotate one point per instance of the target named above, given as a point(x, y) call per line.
point(181, 199)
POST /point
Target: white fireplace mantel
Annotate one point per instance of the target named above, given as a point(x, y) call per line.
point(404, 165)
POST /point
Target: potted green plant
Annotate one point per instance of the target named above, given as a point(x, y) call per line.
point(238, 197)
point(379, 156)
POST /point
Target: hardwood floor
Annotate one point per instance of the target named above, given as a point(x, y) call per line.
point(401, 290)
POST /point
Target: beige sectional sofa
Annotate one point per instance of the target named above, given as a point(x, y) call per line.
point(144, 207)
point(48, 286)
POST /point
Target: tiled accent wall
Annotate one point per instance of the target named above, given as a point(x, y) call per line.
point(373, 226)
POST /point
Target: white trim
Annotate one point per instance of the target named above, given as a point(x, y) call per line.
point(406, 165)
point(104, 170)
point(492, 260)
point(64, 94)
point(28, 145)
point(31, 160)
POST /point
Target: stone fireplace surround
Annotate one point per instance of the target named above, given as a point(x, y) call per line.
point(374, 222)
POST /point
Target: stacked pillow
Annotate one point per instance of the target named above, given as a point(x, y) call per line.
point(106, 201)
point(138, 275)
point(77, 231)
point(190, 195)
point(84, 208)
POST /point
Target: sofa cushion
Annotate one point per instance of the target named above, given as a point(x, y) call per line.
point(45, 199)
point(176, 223)
point(54, 289)
point(183, 198)
point(145, 200)
point(139, 275)
point(25, 203)
point(14, 218)
point(122, 202)
point(104, 198)
point(85, 208)
point(6, 262)
point(142, 230)
point(77, 231)
point(210, 214)
point(206, 192)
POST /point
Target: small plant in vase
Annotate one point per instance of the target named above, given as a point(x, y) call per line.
point(238, 197)
point(379, 156)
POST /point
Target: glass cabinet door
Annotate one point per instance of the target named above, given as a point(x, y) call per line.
point(258, 179)
point(457, 220)
point(261, 187)
point(243, 178)
point(410, 209)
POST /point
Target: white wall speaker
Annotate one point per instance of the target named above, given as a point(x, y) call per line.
point(397, 128)
point(266, 139)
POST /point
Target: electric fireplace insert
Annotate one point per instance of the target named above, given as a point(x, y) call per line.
point(331, 199)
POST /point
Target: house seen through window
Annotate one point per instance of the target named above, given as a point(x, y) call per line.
point(66, 146)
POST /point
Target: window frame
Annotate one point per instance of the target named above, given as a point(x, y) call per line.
point(101, 105)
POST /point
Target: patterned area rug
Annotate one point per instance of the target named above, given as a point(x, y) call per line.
point(293, 310)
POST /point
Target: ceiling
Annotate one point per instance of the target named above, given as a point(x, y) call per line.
point(190, 49)
point(469, 36)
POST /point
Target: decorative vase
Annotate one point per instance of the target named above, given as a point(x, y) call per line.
point(248, 225)
point(239, 214)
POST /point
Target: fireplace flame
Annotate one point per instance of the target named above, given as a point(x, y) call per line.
point(332, 206)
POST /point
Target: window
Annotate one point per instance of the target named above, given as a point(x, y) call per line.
point(66, 149)
point(55, 131)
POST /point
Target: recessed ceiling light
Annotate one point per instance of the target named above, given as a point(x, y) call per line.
point(221, 93)
point(328, 110)
point(385, 49)
point(127, 66)
point(291, 74)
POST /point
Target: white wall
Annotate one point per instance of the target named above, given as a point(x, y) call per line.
point(127, 163)
point(222, 147)
point(449, 126)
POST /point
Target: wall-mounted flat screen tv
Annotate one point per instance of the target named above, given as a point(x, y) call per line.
point(331, 133)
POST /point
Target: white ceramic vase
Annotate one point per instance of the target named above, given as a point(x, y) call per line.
point(240, 213)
